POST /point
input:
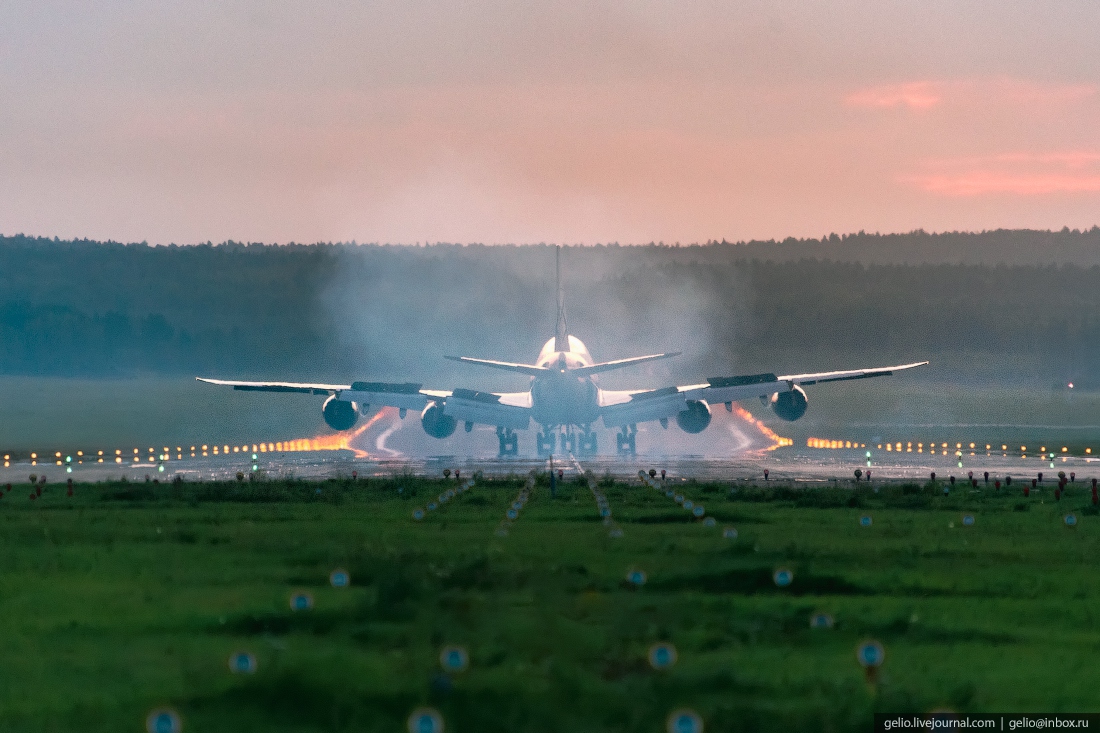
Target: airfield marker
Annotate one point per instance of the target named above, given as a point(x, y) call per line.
point(684, 721)
point(730, 533)
point(339, 578)
point(783, 577)
point(821, 621)
point(865, 521)
point(425, 720)
point(512, 513)
point(968, 520)
point(163, 720)
point(636, 577)
point(454, 659)
point(871, 655)
point(242, 663)
point(301, 602)
point(662, 656)
point(1070, 520)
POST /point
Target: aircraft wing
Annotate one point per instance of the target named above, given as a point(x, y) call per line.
point(300, 387)
point(504, 409)
point(820, 377)
point(507, 409)
point(628, 407)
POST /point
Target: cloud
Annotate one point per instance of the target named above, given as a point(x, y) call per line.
point(979, 92)
point(1015, 174)
point(914, 95)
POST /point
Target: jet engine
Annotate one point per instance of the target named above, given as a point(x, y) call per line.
point(339, 414)
point(790, 405)
point(435, 423)
point(695, 418)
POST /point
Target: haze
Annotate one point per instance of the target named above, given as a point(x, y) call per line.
point(563, 122)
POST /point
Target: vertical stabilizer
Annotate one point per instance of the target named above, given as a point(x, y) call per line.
point(561, 335)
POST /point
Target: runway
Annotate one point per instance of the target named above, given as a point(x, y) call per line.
point(736, 447)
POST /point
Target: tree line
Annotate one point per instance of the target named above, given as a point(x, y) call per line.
point(344, 311)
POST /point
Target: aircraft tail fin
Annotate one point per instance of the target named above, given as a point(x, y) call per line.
point(561, 335)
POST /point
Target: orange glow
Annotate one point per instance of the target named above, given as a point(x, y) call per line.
point(777, 440)
point(339, 441)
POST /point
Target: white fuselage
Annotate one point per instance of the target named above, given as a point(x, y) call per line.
point(559, 398)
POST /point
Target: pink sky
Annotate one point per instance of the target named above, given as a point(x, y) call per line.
point(562, 122)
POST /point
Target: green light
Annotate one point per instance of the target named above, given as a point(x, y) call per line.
point(69, 459)
point(160, 468)
point(960, 464)
point(68, 469)
point(253, 456)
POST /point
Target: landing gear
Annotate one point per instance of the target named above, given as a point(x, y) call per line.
point(625, 441)
point(509, 442)
point(545, 442)
point(587, 443)
point(569, 443)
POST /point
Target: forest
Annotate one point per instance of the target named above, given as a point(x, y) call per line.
point(1015, 305)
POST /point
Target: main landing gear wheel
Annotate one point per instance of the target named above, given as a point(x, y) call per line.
point(509, 442)
point(587, 443)
point(625, 441)
point(545, 442)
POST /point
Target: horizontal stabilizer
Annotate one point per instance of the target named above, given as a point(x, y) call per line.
point(530, 370)
point(607, 366)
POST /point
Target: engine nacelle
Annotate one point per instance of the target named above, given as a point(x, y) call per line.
point(437, 424)
point(790, 405)
point(340, 414)
point(695, 418)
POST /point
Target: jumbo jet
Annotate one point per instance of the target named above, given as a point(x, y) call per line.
point(564, 398)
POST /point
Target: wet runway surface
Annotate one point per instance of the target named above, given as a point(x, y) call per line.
point(735, 448)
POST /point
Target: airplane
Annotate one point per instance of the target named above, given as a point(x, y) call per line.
point(564, 396)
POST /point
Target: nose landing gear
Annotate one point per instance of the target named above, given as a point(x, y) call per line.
point(625, 441)
point(509, 442)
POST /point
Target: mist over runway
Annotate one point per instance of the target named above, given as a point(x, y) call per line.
point(736, 448)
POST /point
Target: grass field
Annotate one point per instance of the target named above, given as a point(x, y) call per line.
point(127, 597)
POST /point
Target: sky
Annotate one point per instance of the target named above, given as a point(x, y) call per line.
point(565, 122)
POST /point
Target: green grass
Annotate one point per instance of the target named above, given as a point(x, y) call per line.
point(126, 597)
